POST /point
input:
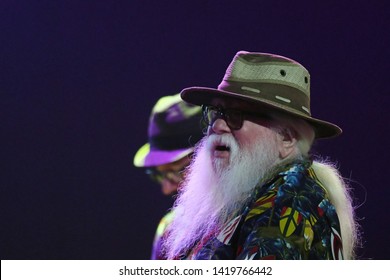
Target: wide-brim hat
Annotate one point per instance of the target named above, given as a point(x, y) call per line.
point(274, 83)
point(174, 129)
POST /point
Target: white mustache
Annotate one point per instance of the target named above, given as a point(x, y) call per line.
point(214, 140)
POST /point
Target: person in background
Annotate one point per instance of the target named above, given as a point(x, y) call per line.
point(174, 129)
point(253, 190)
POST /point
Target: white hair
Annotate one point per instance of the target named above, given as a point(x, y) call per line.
point(297, 128)
point(339, 196)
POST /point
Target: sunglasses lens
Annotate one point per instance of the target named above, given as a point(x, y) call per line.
point(234, 119)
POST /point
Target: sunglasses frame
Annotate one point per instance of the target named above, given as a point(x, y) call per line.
point(234, 118)
point(158, 176)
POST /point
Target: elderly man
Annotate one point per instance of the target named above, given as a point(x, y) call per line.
point(253, 191)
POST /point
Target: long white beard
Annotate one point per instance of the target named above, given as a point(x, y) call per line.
point(214, 190)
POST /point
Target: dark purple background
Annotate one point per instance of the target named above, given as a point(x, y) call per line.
point(79, 78)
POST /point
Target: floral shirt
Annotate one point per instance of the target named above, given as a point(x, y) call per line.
point(289, 217)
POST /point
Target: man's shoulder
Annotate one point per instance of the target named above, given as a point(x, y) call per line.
point(294, 174)
point(164, 223)
point(299, 174)
point(294, 186)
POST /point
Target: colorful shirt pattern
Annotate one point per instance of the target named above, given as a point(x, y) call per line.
point(289, 217)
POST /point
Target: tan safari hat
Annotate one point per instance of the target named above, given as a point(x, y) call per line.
point(274, 82)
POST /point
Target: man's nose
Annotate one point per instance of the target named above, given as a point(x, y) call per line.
point(220, 126)
point(168, 187)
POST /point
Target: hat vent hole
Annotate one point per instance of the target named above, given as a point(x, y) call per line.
point(282, 72)
point(306, 80)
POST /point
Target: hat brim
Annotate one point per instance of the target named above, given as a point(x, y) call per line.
point(207, 96)
point(145, 157)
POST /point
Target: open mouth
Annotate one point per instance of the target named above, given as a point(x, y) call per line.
point(222, 148)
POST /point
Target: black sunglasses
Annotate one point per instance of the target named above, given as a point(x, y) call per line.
point(233, 118)
point(158, 176)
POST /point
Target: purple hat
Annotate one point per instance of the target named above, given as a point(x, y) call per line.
point(174, 129)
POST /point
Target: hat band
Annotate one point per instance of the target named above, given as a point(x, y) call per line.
point(172, 142)
point(283, 96)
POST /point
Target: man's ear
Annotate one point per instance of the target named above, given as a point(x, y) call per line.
point(287, 141)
